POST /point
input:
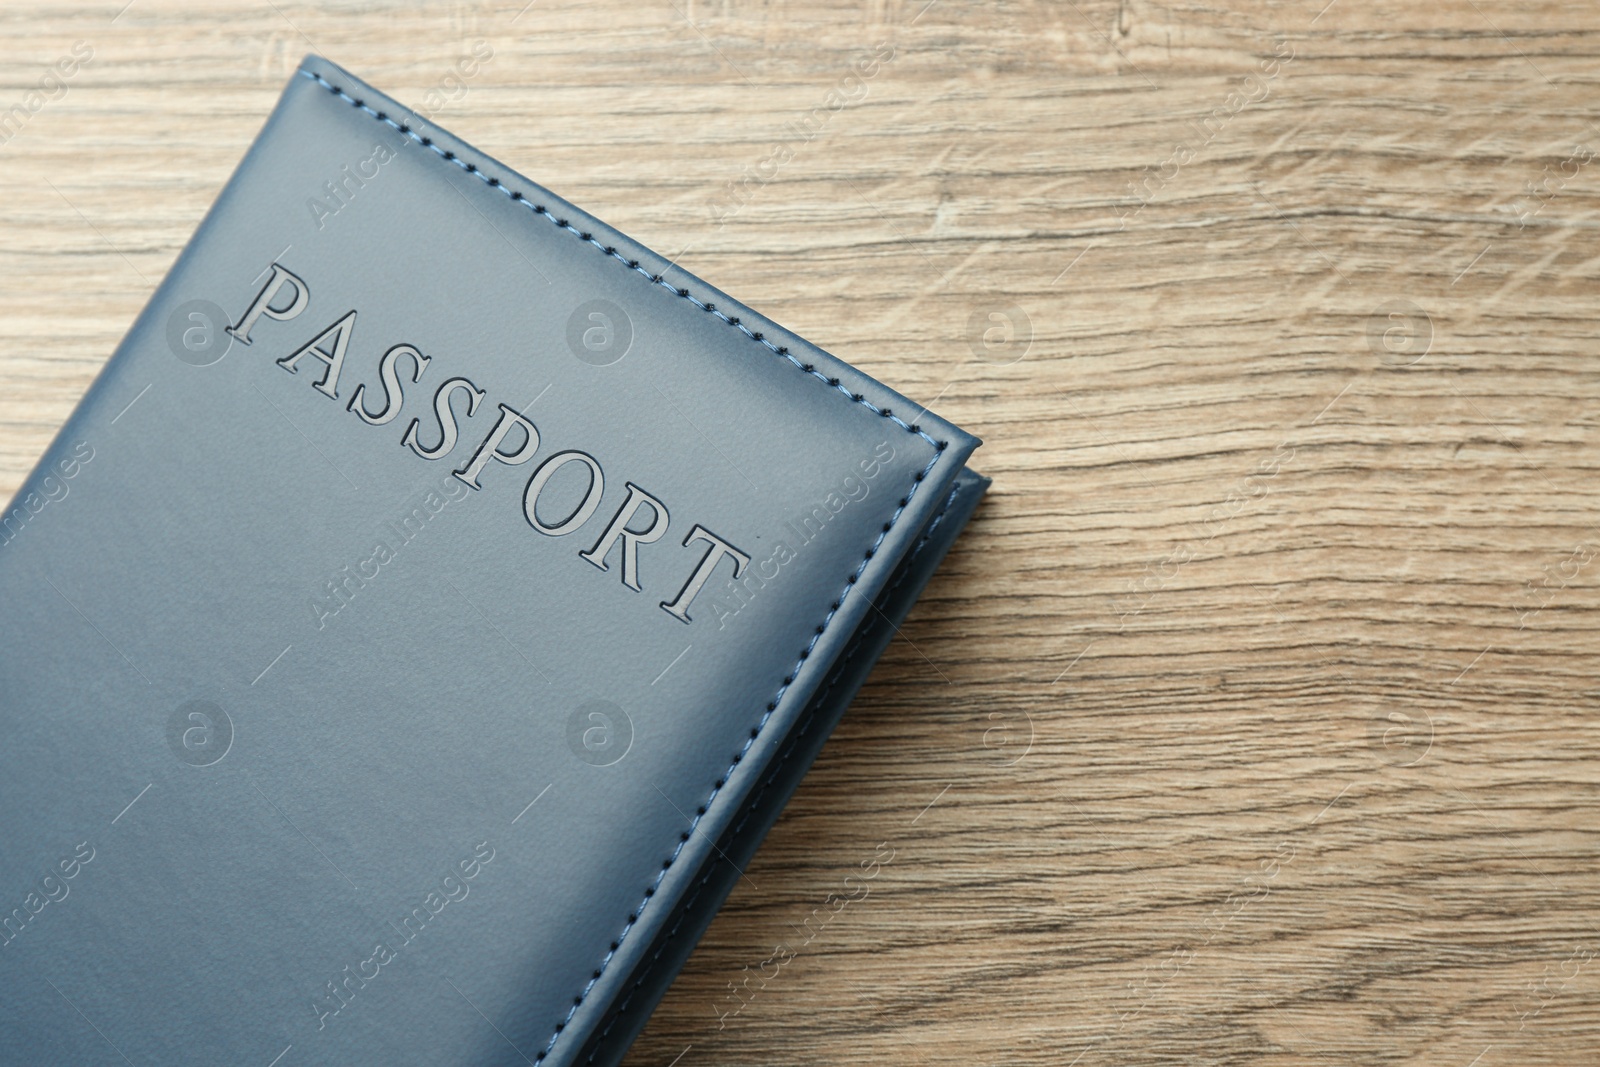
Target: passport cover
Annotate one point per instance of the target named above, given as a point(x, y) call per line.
point(422, 618)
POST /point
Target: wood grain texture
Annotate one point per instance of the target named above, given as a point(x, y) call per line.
point(1253, 719)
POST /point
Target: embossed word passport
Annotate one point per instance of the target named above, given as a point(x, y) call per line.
point(422, 619)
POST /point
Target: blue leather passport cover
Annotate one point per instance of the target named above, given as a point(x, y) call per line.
point(421, 618)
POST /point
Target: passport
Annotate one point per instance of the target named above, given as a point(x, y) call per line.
point(422, 618)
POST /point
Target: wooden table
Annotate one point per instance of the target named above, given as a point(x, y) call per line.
point(1252, 721)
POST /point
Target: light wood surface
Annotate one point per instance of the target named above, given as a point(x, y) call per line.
point(1254, 719)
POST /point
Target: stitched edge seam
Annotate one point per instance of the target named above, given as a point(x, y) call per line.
point(632, 264)
point(789, 750)
point(807, 368)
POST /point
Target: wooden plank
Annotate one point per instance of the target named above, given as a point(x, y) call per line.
point(1252, 719)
